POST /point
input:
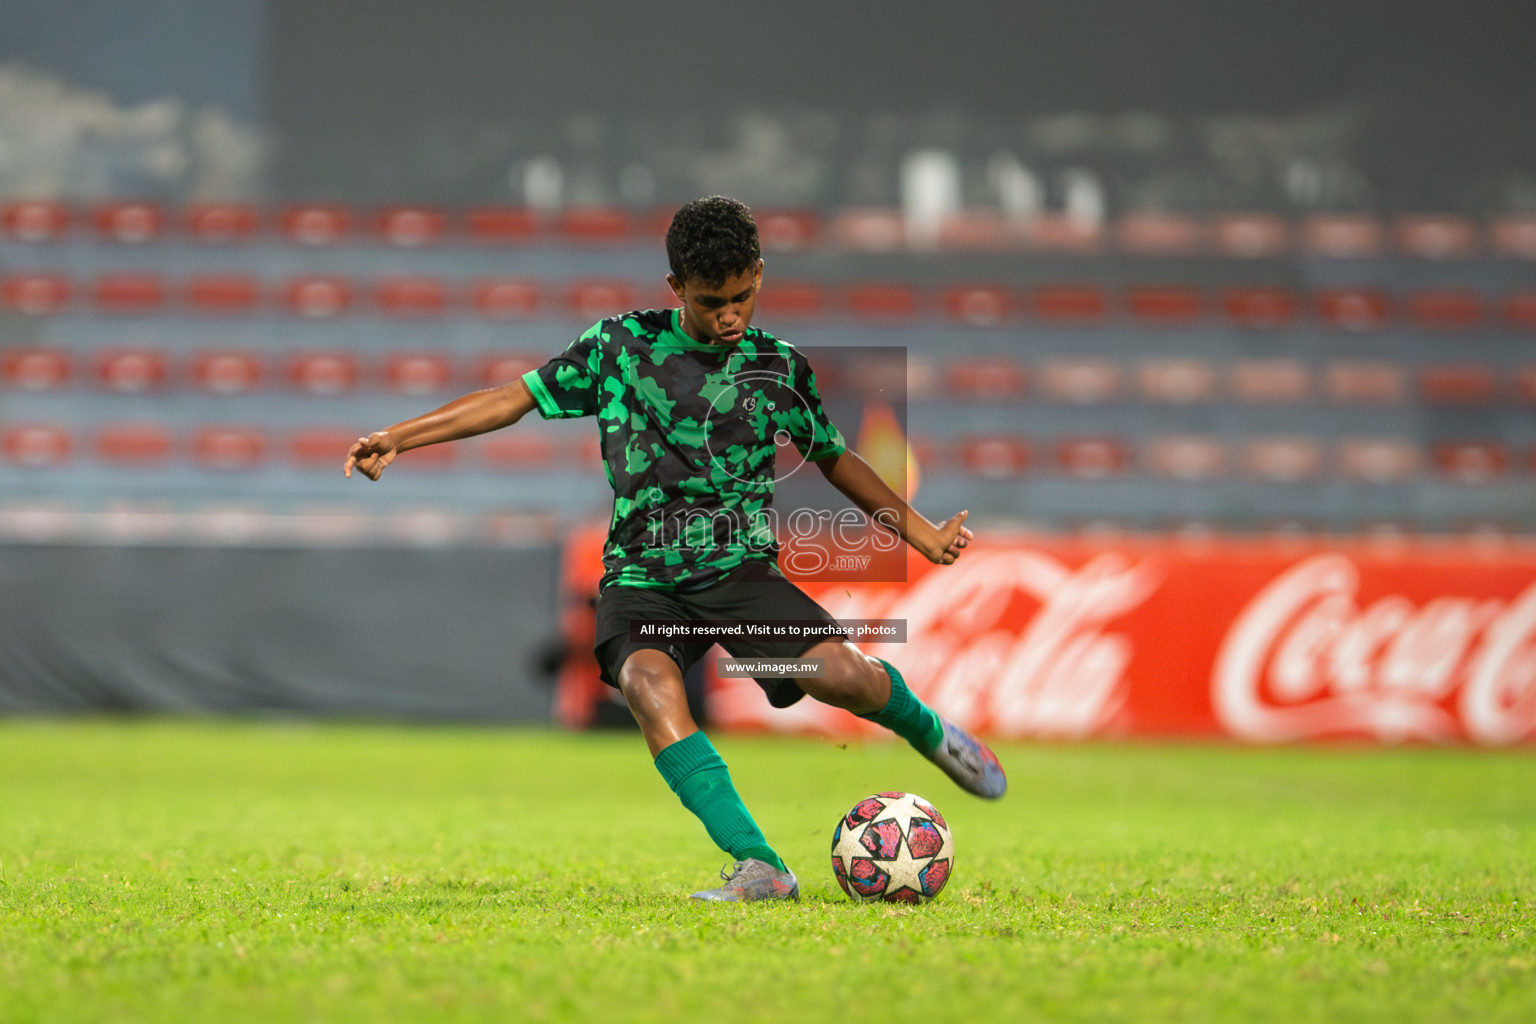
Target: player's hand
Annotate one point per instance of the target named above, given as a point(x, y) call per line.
point(954, 537)
point(371, 454)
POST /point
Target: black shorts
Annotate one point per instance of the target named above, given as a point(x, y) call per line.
point(753, 592)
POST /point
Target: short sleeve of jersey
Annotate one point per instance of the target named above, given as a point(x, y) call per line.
point(567, 385)
point(821, 439)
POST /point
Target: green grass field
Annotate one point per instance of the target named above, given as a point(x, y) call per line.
point(197, 871)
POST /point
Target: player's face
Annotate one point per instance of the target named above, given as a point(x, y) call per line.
point(719, 314)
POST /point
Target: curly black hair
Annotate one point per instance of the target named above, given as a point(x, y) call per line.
point(712, 239)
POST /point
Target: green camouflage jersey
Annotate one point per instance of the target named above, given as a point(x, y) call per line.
point(688, 433)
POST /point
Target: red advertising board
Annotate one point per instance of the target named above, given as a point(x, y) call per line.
point(1253, 640)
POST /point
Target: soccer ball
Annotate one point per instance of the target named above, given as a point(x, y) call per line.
point(894, 847)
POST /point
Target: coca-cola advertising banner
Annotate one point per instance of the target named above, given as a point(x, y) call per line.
point(1260, 641)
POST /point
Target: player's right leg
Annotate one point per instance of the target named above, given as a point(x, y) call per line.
point(652, 684)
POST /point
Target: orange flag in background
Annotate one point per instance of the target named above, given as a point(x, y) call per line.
point(883, 444)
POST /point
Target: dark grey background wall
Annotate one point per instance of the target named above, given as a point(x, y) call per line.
point(1188, 57)
point(374, 100)
point(358, 89)
point(447, 634)
point(200, 51)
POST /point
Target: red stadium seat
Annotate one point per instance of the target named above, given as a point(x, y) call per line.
point(1251, 235)
point(869, 230)
point(652, 228)
point(132, 371)
point(34, 221)
point(925, 379)
point(994, 457)
point(787, 230)
point(1442, 308)
point(1259, 307)
point(1058, 233)
point(1270, 381)
point(1364, 382)
point(430, 457)
point(1165, 305)
point(989, 379)
point(975, 231)
point(318, 297)
point(134, 444)
point(1515, 237)
point(602, 224)
point(1282, 459)
point(1525, 384)
point(874, 380)
point(881, 299)
point(1070, 304)
point(410, 226)
point(501, 224)
point(224, 372)
point(1471, 461)
point(36, 445)
point(1520, 310)
point(507, 298)
point(1458, 384)
point(129, 222)
point(323, 373)
point(316, 225)
point(932, 455)
point(320, 447)
point(1342, 237)
point(1159, 234)
point(34, 369)
point(412, 297)
point(221, 223)
point(1092, 458)
point(595, 299)
point(790, 299)
point(222, 294)
point(498, 368)
point(1188, 457)
point(229, 447)
point(418, 373)
point(1353, 309)
point(1086, 381)
point(129, 293)
point(978, 305)
point(35, 294)
point(1435, 237)
point(585, 454)
point(661, 296)
point(1177, 381)
point(1378, 460)
point(518, 449)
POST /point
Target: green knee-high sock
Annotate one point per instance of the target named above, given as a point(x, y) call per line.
point(697, 774)
point(908, 717)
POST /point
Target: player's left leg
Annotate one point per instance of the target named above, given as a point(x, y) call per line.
point(868, 687)
point(874, 690)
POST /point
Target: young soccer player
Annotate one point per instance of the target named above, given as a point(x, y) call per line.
point(689, 404)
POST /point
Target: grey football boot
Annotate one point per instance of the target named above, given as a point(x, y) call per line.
point(753, 879)
point(969, 762)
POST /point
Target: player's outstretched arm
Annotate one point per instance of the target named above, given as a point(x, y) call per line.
point(474, 413)
point(938, 542)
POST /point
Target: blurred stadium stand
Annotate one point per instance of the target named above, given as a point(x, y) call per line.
point(1378, 371)
point(1145, 274)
